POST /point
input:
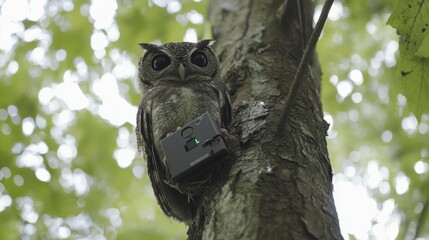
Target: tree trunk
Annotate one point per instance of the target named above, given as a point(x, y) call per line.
point(279, 185)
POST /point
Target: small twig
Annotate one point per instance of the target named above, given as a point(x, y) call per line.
point(422, 219)
point(303, 64)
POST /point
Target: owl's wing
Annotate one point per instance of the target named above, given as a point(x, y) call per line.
point(172, 202)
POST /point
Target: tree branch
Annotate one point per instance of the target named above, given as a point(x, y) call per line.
point(303, 64)
point(422, 219)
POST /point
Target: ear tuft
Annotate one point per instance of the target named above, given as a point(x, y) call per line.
point(205, 43)
point(149, 46)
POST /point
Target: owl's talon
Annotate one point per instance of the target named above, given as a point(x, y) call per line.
point(230, 139)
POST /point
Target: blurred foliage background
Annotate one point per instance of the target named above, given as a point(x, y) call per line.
point(69, 168)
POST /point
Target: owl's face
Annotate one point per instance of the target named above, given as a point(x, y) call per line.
point(177, 63)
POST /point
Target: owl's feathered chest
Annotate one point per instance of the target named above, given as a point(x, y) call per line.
point(183, 101)
point(173, 107)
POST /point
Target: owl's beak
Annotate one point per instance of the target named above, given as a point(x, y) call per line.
point(182, 71)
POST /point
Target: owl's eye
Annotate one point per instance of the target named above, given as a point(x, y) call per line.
point(160, 62)
point(199, 59)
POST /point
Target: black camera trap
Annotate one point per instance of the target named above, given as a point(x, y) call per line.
point(194, 147)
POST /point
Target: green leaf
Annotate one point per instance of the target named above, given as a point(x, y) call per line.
point(411, 20)
point(424, 48)
point(414, 84)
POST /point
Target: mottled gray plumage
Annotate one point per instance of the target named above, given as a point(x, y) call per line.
point(179, 82)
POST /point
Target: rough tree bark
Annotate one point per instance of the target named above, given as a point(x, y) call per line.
point(280, 184)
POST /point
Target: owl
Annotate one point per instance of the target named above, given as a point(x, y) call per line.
point(179, 81)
